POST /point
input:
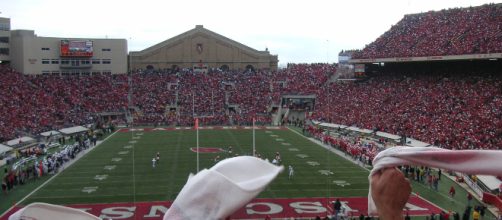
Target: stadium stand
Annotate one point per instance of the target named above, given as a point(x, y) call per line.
point(423, 107)
point(439, 33)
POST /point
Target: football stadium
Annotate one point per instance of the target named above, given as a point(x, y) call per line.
point(89, 124)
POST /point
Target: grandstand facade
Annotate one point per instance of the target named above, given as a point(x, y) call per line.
point(31, 54)
point(201, 49)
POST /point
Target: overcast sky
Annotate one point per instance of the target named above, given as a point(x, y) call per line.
point(297, 31)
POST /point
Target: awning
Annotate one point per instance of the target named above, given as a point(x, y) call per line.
point(4, 148)
point(73, 130)
point(20, 140)
point(387, 135)
point(50, 133)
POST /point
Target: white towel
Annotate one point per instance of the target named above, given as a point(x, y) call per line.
point(486, 162)
point(218, 192)
point(44, 211)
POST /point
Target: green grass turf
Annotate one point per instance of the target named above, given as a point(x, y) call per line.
point(177, 161)
point(133, 179)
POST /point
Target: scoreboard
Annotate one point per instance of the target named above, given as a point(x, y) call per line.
point(76, 48)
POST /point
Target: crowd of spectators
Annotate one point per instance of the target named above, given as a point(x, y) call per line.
point(459, 111)
point(472, 30)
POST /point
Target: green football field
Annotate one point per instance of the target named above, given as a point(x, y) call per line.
point(120, 169)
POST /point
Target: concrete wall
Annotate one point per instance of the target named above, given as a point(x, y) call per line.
point(31, 54)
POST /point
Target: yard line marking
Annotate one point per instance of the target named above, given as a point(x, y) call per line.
point(116, 159)
point(89, 189)
point(302, 156)
point(109, 167)
point(341, 183)
point(325, 172)
point(101, 177)
point(293, 149)
point(313, 163)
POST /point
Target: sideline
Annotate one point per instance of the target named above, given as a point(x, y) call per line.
point(334, 150)
point(65, 166)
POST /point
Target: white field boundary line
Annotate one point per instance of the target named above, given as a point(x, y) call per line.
point(334, 150)
point(57, 174)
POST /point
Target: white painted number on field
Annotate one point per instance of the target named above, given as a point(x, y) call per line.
point(128, 147)
point(293, 149)
point(302, 155)
point(89, 189)
point(133, 142)
point(123, 152)
point(139, 134)
point(116, 159)
point(325, 172)
point(274, 135)
point(341, 183)
point(313, 163)
point(286, 144)
point(279, 139)
point(100, 177)
point(109, 167)
point(136, 137)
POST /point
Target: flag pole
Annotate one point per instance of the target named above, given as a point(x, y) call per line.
point(197, 130)
point(254, 141)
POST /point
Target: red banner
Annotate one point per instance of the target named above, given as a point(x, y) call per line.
point(256, 209)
